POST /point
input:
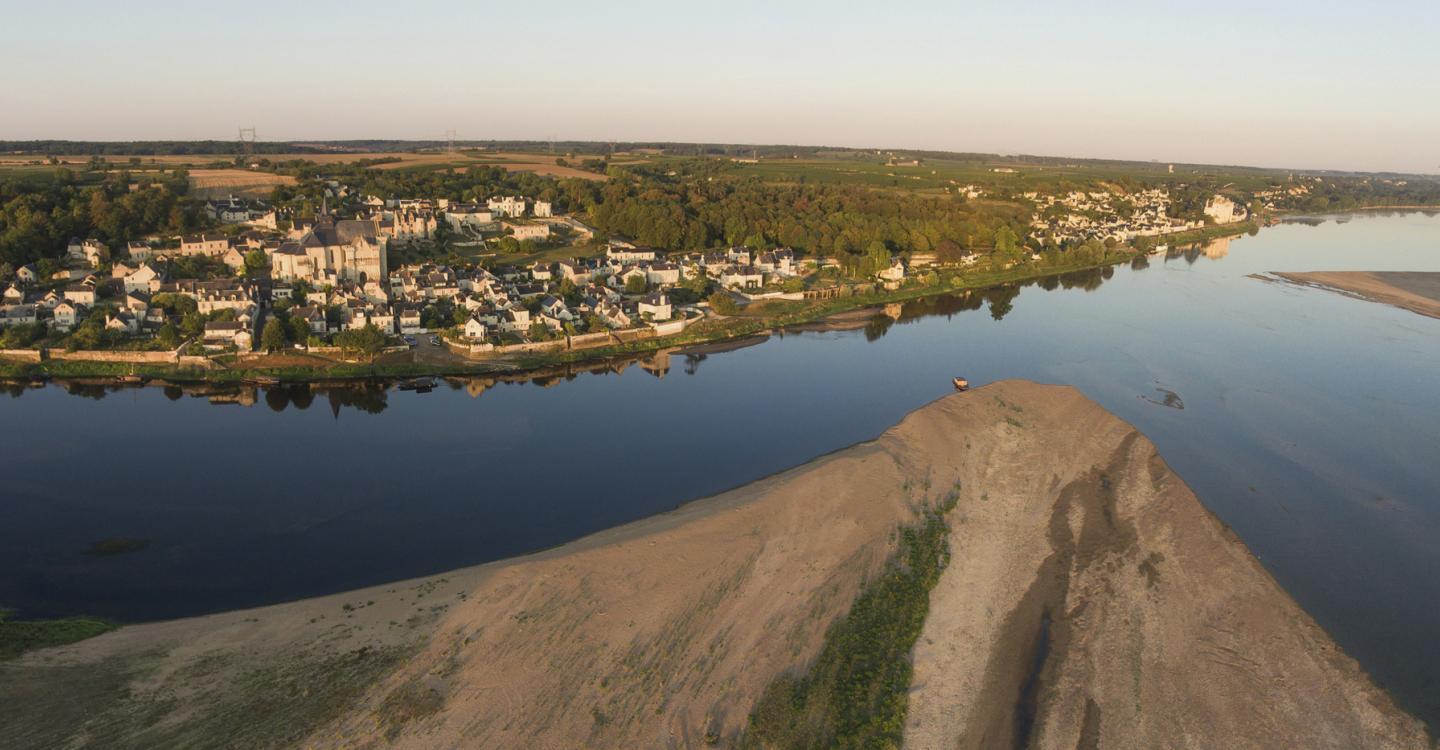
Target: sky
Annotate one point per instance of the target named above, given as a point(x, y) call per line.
point(1314, 85)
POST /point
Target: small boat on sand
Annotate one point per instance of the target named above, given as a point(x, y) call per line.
point(960, 383)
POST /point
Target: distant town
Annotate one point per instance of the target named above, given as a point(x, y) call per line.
point(349, 272)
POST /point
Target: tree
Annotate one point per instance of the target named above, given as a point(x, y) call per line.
point(721, 302)
point(299, 329)
point(274, 336)
point(368, 340)
point(635, 285)
point(255, 260)
point(168, 335)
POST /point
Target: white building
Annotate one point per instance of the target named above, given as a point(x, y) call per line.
point(512, 206)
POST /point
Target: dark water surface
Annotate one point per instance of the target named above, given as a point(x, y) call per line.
point(1308, 421)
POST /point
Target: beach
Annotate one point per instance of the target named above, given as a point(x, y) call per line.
point(1090, 601)
point(1416, 291)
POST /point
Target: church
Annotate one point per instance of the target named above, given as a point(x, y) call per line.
point(330, 251)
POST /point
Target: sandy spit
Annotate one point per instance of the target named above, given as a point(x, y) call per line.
point(1091, 602)
point(1416, 291)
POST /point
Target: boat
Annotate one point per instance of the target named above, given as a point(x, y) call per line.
point(960, 383)
point(261, 380)
point(419, 385)
point(131, 379)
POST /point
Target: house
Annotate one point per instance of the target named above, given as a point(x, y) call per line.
point(227, 332)
point(515, 319)
point(527, 230)
point(13, 295)
point(233, 259)
point(612, 315)
point(90, 251)
point(475, 330)
point(209, 243)
point(18, 315)
point(895, 273)
point(656, 306)
point(144, 278)
point(555, 308)
point(512, 206)
point(741, 277)
point(575, 270)
point(626, 253)
point(138, 301)
point(623, 278)
point(124, 322)
point(1222, 210)
point(27, 274)
point(542, 209)
point(313, 317)
point(409, 319)
point(662, 274)
point(139, 251)
point(67, 314)
point(468, 214)
point(82, 293)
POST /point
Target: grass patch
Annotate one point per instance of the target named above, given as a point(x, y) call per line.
point(18, 636)
point(857, 691)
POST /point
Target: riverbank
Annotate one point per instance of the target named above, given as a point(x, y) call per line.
point(1076, 557)
point(1416, 291)
point(762, 318)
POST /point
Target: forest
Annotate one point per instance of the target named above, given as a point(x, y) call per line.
point(37, 221)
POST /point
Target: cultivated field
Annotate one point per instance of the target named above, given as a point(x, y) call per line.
point(541, 164)
point(218, 183)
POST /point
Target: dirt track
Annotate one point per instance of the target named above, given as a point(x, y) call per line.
point(1091, 602)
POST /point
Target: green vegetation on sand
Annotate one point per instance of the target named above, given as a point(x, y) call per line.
point(855, 694)
point(18, 637)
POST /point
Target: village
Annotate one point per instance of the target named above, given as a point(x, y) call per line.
point(277, 281)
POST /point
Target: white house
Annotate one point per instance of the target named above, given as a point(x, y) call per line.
point(82, 293)
point(656, 305)
point(67, 314)
point(1224, 211)
point(896, 271)
point(512, 206)
point(143, 279)
point(475, 330)
point(741, 277)
point(91, 251)
point(527, 230)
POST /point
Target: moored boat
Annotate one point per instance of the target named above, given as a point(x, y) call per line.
point(960, 383)
point(419, 385)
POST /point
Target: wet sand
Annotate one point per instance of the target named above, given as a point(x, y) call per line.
point(1416, 291)
point(1091, 601)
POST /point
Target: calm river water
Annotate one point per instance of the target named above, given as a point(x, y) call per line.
point(1308, 421)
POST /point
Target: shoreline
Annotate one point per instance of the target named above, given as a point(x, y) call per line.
point(814, 316)
point(1067, 529)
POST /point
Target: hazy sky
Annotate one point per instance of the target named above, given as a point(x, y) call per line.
point(1316, 84)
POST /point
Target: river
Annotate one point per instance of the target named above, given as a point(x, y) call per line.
point(1308, 421)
